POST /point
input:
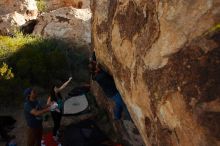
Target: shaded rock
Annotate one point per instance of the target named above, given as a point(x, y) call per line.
point(28, 27)
point(164, 60)
point(66, 23)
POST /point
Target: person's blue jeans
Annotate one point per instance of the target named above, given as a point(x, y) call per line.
point(118, 106)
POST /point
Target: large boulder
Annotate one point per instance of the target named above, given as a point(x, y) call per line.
point(165, 60)
point(13, 14)
point(55, 4)
point(10, 22)
point(68, 23)
point(21, 6)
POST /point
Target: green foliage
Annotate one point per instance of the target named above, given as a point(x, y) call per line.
point(79, 64)
point(214, 28)
point(5, 72)
point(41, 5)
point(11, 45)
point(11, 91)
point(40, 61)
point(37, 61)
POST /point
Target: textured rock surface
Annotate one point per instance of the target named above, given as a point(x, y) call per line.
point(21, 6)
point(55, 4)
point(9, 22)
point(66, 23)
point(14, 13)
point(165, 63)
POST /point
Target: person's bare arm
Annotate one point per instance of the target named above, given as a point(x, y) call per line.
point(36, 112)
point(47, 106)
point(63, 86)
point(49, 100)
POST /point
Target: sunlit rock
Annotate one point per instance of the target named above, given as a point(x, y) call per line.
point(66, 23)
point(165, 61)
point(14, 13)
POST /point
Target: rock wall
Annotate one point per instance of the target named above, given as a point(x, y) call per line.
point(68, 23)
point(55, 4)
point(164, 56)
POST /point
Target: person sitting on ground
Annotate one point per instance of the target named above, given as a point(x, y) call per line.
point(33, 115)
point(55, 99)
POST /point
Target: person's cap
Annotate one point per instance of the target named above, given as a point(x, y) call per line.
point(27, 92)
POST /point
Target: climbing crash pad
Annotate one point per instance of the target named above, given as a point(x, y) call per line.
point(75, 105)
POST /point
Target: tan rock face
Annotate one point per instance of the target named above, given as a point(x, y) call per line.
point(165, 63)
point(14, 13)
point(55, 4)
point(8, 6)
point(28, 8)
point(66, 23)
point(9, 22)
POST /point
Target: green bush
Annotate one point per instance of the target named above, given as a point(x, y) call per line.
point(39, 62)
point(5, 72)
point(41, 5)
point(79, 65)
point(11, 45)
point(34, 61)
point(12, 91)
